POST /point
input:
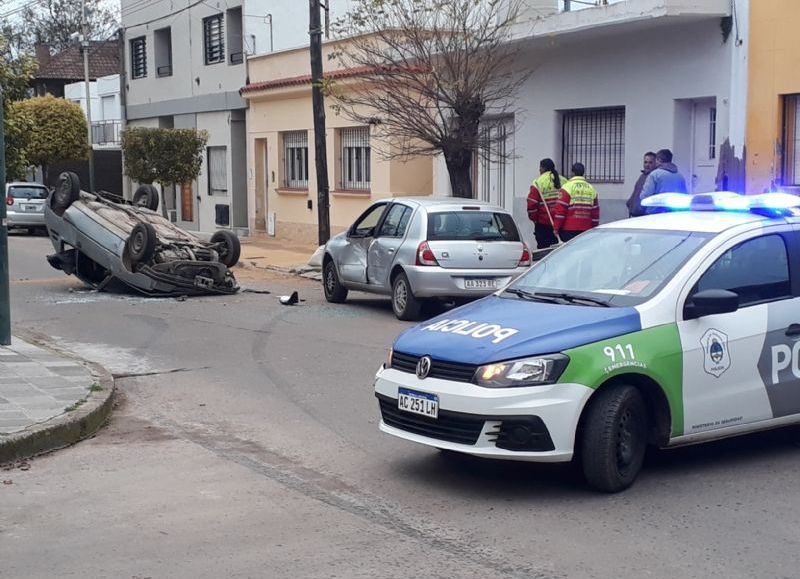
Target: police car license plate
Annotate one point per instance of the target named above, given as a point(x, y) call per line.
point(422, 403)
point(479, 283)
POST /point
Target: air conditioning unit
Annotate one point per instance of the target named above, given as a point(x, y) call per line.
point(173, 215)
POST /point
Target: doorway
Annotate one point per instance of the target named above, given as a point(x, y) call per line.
point(494, 166)
point(705, 151)
point(262, 183)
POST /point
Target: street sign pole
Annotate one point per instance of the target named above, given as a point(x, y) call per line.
point(5, 298)
point(318, 105)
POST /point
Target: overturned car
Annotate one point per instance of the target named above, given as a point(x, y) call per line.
point(104, 242)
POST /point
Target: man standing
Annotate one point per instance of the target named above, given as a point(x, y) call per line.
point(665, 178)
point(542, 199)
point(577, 209)
point(634, 203)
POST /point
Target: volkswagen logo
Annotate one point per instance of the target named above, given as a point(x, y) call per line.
point(423, 367)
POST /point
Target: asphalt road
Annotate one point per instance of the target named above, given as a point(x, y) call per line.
point(245, 444)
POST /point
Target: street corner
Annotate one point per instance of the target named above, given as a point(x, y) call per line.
point(49, 399)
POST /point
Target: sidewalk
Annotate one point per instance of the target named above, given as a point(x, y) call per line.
point(47, 400)
point(269, 253)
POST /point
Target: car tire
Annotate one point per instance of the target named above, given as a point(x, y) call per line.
point(614, 438)
point(229, 249)
point(335, 292)
point(146, 196)
point(405, 305)
point(66, 192)
point(141, 243)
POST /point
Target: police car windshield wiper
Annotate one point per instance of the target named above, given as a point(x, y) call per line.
point(573, 298)
point(526, 295)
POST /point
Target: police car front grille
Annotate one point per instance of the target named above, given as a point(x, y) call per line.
point(444, 370)
point(450, 426)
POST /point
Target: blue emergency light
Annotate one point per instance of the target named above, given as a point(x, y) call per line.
point(770, 204)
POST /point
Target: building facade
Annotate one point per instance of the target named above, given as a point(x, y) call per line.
point(282, 186)
point(606, 84)
point(773, 119)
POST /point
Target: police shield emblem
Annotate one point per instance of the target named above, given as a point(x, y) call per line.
point(716, 357)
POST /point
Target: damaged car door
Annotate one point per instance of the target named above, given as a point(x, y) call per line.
point(353, 265)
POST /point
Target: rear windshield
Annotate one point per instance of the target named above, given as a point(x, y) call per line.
point(27, 192)
point(471, 225)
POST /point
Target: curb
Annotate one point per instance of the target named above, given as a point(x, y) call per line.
point(66, 429)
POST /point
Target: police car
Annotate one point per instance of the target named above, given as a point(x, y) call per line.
point(670, 329)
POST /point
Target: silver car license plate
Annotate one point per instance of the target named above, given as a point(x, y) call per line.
point(479, 283)
point(30, 208)
point(423, 403)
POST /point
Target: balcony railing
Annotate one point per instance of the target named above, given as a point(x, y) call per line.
point(106, 132)
point(237, 57)
point(165, 70)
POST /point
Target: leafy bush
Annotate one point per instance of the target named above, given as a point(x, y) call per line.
point(166, 156)
point(56, 130)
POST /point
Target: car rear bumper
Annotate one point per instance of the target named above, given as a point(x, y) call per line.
point(25, 219)
point(432, 281)
point(540, 422)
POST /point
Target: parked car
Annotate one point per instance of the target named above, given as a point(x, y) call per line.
point(101, 241)
point(419, 248)
point(25, 205)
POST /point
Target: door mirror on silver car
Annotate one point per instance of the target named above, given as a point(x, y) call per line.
point(709, 302)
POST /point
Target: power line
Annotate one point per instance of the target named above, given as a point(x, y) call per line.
point(146, 22)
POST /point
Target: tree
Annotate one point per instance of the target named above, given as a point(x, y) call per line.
point(56, 132)
point(431, 71)
point(166, 156)
point(15, 74)
point(53, 22)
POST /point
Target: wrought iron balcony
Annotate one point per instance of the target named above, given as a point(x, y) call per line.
point(106, 132)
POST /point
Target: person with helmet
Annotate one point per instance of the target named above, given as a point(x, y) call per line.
point(577, 209)
point(542, 199)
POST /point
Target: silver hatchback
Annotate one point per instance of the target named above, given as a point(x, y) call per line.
point(25, 205)
point(416, 248)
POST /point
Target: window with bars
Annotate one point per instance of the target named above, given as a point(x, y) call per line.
point(712, 133)
point(596, 138)
point(791, 139)
point(295, 153)
point(138, 57)
point(214, 39)
point(217, 170)
point(356, 167)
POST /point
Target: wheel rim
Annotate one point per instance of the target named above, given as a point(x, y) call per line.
point(400, 295)
point(138, 242)
point(626, 440)
point(330, 280)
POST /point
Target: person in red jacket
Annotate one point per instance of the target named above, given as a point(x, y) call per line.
point(542, 199)
point(577, 209)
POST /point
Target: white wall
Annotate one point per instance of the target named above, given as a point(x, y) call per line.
point(644, 72)
point(218, 126)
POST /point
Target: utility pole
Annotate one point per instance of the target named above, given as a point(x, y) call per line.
point(85, 46)
point(5, 298)
point(318, 105)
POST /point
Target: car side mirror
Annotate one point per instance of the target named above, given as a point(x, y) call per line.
point(709, 302)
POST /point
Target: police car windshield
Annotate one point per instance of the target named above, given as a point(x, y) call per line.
point(621, 267)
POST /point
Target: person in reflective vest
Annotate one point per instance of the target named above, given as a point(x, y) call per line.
point(576, 209)
point(542, 199)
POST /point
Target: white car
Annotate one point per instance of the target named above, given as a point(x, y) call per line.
point(670, 329)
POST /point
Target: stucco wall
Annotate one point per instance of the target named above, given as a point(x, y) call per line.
point(774, 58)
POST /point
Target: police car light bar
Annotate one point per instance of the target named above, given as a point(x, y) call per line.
point(765, 203)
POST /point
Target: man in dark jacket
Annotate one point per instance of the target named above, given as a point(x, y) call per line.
point(665, 178)
point(634, 203)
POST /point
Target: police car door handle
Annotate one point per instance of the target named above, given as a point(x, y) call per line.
point(793, 330)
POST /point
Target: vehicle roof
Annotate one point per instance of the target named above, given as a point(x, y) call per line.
point(446, 203)
point(699, 221)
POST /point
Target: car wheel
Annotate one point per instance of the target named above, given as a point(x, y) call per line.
point(66, 192)
point(229, 248)
point(335, 292)
point(614, 439)
point(146, 196)
point(141, 243)
point(405, 305)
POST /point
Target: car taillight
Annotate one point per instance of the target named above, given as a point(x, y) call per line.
point(9, 200)
point(425, 255)
point(525, 260)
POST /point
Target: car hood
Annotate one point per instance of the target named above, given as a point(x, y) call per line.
point(495, 329)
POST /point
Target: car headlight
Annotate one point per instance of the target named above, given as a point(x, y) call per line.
point(536, 371)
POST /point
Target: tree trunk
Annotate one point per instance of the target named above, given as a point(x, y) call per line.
point(459, 167)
